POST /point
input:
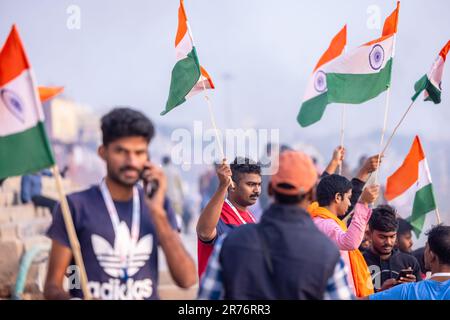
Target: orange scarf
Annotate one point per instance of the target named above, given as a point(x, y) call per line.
point(359, 269)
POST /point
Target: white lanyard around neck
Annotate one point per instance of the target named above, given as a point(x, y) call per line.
point(135, 220)
point(236, 212)
point(440, 274)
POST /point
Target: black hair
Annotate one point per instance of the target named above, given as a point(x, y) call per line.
point(244, 165)
point(288, 199)
point(439, 242)
point(383, 219)
point(329, 186)
point(404, 227)
point(125, 122)
point(285, 147)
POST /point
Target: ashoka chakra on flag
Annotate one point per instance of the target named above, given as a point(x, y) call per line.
point(376, 57)
point(320, 81)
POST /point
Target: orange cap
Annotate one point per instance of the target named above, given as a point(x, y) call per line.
point(296, 169)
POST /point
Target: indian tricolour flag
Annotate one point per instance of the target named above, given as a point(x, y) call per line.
point(315, 99)
point(431, 82)
point(353, 77)
point(410, 188)
point(24, 146)
point(363, 73)
point(188, 76)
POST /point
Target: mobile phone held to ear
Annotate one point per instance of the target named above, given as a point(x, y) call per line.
point(404, 273)
point(150, 187)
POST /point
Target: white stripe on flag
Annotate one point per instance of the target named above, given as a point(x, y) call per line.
point(362, 60)
point(18, 109)
point(183, 47)
point(404, 202)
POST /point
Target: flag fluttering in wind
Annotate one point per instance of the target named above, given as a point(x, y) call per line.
point(411, 184)
point(353, 77)
point(364, 72)
point(24, 145)
point(431, 82)
point(47, 93)
point(316, 99)
point(188, 77)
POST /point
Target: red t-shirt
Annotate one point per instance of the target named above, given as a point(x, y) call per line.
point(228, 220)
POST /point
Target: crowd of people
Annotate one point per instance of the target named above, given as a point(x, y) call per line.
point(318, 235)
point(302, 248)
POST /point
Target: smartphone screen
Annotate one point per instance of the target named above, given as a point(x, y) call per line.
point(404, 273)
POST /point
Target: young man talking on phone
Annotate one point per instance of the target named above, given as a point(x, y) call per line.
point(118, 225)
point(388, 266)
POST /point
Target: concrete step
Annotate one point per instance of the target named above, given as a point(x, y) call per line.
point(11, 184)
point(168, 290)
point(172, 292)
point(8, 231)
point(6, 198)
point(13, 250)
point(31, 228)
point(19, 212)
point(23, 212)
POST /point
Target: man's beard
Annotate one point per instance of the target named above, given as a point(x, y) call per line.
point(383, 253)
point(116, 177)
point(251, 200)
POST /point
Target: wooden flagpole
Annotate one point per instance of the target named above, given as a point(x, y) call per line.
point(68, 222)
point(211, 114)
point(438, 216)
point(342, 126)
point(342, 135)
point(74, 243)
point(386, 111)
point(396, 127)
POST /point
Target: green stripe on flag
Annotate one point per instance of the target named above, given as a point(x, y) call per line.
point(357, 88)
point(434, 94)
point(25, 152)
point(424, 202)
point(419, 86)
point(185, 75)
point(312, 110)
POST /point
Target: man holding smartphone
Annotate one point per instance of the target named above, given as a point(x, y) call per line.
point(437, 260)
point(388, 266)
point(118, 225)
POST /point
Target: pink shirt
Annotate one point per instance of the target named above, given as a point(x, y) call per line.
point(349, 240)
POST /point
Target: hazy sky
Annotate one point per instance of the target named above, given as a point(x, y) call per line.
point(124, 53)
point(259, 53)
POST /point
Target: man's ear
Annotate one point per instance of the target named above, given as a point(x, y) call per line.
point(231, 189)
point(433, 257)
point(101, 151)
point(311, 195)
point(337, 198)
